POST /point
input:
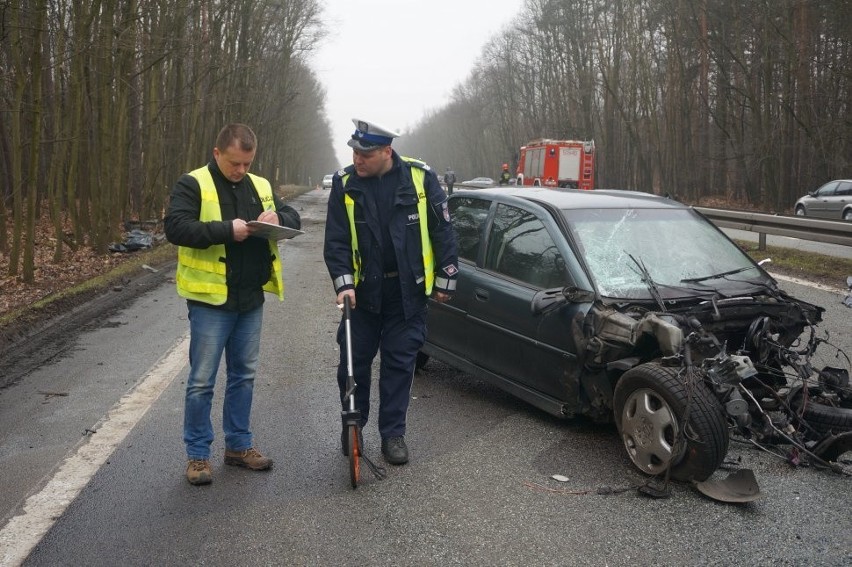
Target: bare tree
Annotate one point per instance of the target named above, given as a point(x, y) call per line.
point(744, 100)
point(105, 103)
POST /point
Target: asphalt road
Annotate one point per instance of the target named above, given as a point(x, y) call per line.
point(92, 463)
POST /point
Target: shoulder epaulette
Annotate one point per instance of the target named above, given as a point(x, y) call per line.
point(416, 163)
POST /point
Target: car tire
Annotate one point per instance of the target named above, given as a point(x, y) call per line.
point(820, 420)
point(847, 215)
point(800, 211)
point(649, 404)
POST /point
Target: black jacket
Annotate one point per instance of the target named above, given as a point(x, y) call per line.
point(248, 262)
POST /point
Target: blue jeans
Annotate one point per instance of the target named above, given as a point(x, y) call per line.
point(213, 331)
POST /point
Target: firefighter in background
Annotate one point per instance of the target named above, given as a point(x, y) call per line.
point(505, 176)
point(389, 246)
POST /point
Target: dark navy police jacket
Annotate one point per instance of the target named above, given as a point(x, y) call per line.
point(404, 229)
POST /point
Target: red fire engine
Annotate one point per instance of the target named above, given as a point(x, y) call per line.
point(557, 163)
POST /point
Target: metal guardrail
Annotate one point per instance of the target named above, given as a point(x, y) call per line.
point(817, 230)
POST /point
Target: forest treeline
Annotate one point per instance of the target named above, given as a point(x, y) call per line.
point(104, 103)
point(747, 100)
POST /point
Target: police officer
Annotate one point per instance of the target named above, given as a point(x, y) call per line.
point(389, 245)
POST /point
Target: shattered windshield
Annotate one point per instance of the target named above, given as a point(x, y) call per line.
point(682, 253)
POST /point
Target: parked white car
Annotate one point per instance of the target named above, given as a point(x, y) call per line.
point(479, 182)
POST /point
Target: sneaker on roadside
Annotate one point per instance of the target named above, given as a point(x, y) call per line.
point(395, 450)
point(250, 459)
point(198, 471)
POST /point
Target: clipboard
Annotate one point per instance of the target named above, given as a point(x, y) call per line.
point(272, 231)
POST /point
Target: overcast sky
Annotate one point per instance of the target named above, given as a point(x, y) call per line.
point(392, 61)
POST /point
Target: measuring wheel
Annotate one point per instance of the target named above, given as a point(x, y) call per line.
point(354, 451)
point(351, 416)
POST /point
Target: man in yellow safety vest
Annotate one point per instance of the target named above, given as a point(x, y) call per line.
point(223, 271)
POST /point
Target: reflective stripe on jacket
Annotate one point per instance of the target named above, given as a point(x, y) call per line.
point(201, 272)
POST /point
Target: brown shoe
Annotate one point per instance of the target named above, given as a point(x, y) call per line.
point(198, 471)
point(250, 459)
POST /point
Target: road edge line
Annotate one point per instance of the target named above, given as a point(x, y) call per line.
point(41, 510)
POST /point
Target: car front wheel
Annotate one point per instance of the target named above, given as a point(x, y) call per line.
point(800, 211)
point(847, 215)
point(650, 404)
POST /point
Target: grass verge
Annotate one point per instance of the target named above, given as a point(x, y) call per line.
point(827, 270)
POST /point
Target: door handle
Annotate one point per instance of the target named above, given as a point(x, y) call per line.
point(480, 294)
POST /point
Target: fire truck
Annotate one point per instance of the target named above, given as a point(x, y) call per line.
point(557, 163)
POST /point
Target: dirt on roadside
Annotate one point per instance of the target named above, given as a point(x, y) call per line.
point(39, 334)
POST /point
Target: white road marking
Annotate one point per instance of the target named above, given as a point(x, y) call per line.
point(808, 284)
point(41, 510)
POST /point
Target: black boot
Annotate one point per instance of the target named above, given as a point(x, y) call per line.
point(395, 450)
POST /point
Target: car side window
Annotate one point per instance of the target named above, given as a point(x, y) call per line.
point(844, 189)
point(827, 190)
point(469, 216)
point(520, 247)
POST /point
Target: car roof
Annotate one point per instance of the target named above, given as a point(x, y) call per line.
point(580, 199)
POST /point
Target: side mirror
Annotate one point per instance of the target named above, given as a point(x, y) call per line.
point(549, 299)
point(577, 295)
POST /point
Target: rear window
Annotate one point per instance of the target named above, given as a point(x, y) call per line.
point(468, 219)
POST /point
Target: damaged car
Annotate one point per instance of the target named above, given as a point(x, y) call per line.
point(633, 308)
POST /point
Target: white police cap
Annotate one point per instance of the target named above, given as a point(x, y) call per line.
point(368, 136)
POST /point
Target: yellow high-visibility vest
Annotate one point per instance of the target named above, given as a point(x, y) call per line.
point(201, 271)
point(418, 175)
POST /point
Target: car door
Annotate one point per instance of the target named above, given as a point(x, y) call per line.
point(842, 197)
point(446, 323)
point(525, 253)
point(823, 199)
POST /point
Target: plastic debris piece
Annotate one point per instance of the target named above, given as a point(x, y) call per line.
point(739, 486)
point(560, 478)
